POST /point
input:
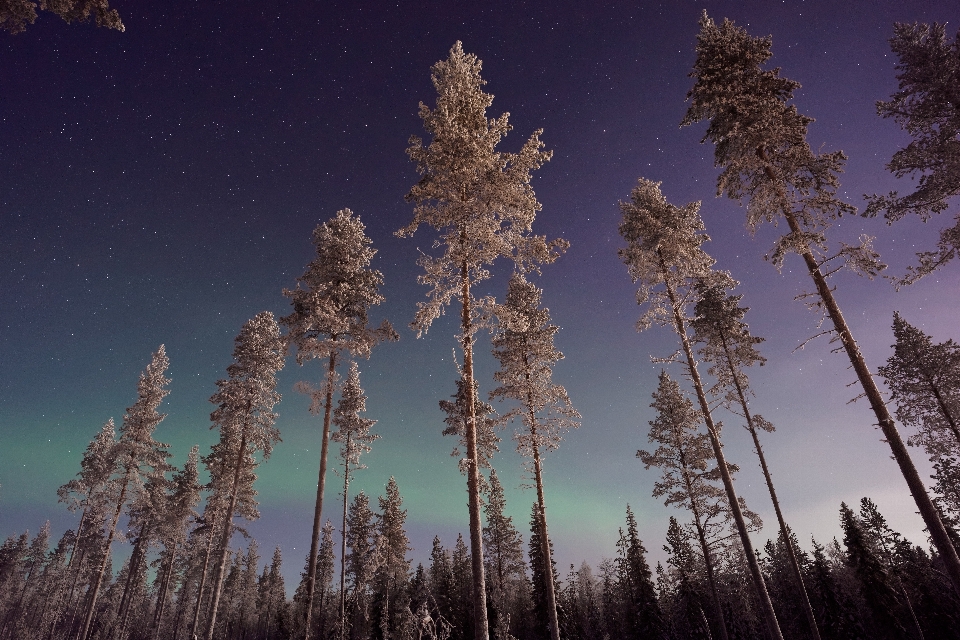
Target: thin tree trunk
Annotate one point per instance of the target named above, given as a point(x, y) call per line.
point(343, 545)
point(202, 582)
point(73, 587)
point(162, 597)
point(95, 589)
point(708, 563)
point(946, 411)
point(769, 614)
point(225, 537)
point(135, 559)
point(318, 508)
point(58, 602)
point(545, 542)
point(805, 599)
point(481, 630)
point(889, 428)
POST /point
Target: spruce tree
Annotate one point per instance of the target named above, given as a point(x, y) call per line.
point(481, 202)
point(330, 318)
point(644, 620)
point(392, 575)
point(523, 344)
point(924, 381)
point(761, 145)
point(136, 455)
point(927, 108)
point(245, 418)
point(541, 566)
point(503, 548)
point(727, 344)
point(689, 620)
point(362, 560)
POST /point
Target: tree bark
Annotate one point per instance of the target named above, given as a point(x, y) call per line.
point(225, 538)
point(773, 627)
point(805, 599)
point(318, 508)
point(481, 630)
point(343, 545)
point(545, 542)
point(202, 582)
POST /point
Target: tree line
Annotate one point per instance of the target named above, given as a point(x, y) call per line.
point(185, 577)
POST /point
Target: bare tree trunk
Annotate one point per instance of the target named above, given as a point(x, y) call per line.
point(202, 583)
point(94, 590)
point(887, 426)
point(58, 601)
point(134, 567)
point(225, 538)
point(162, 597)
point(481, 630)
point(318, 508)
point(545, 542)
point(784, 531)
point(680, 325)
point(343, 546)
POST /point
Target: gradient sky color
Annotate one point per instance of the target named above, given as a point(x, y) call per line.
point(161, 185)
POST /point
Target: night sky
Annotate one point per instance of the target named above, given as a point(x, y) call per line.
point(160, 186)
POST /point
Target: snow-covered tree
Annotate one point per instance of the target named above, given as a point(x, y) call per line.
point(927, 107)
point(15, 15)
point(331, 306)
point(503, 548)
point(924, 381)
point(523, 344)
point(355, 438)
point(136, 454)
point(761, 145)
point(245, 418)
point(482, 203)
point(392, 575)
point(665, 258)
point(725, 342)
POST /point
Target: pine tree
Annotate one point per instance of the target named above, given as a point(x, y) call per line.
point(136, 455)
point(727, 344)
point(924, 381)
point(684, 455)
point(760, 143)
point(523, 344)
point(664, 256)
point(503, 548)
point(643, 616)
point(331, 305)
point(481, 202)
point(245, 418)
point(926, 107)
point(353, 434)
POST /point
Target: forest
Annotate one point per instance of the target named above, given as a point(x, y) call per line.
point(196, 572)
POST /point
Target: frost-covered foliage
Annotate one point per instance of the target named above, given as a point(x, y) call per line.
point(15, 15)
point(927, 106)
point(924, 381)
point(353, 431)
point(523, 344)
point(487, 423)
point(478, 198)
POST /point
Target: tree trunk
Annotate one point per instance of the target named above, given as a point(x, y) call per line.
point(225, 538)
point(343, 546)
point(946, 411)
point(805, 599)
point(139, 552)
point(545, 541)
point(481, 631)
point(162, 597)
point(889, 428)
point(202, 582)
point(318, 508)
point(94, 590)
point(58, 601)
point(773, 626)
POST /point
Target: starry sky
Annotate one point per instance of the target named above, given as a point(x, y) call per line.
point(160, 186)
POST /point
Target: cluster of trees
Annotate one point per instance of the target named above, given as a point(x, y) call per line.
point(184, 577)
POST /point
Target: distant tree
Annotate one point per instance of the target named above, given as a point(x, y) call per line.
point(136, 455)
point(271, 594)
point(523, 344)
point(541, 564)
point(837, 619)
point(926, 106)
point(441, 584)
point(353, 434)
point(727, 344)
point(392, 575)
point(503, 548)
point(481, 202)
point(874, 579)
point(761, 145)
point(362, 560)
point(331, 306)
point(245, 418)
point(679, 586)
point(644, 620)
point(924, 381)
point(15, 15)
